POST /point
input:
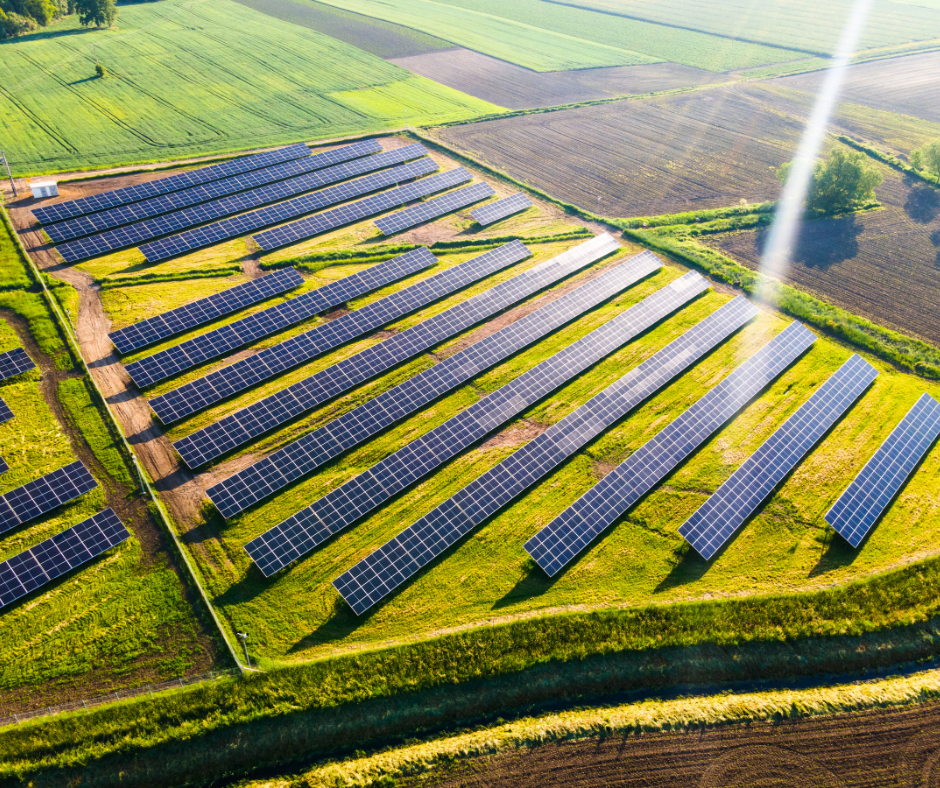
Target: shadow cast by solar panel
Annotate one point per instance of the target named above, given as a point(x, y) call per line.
point(534, 582)
point(690, 568)
point(341, 623)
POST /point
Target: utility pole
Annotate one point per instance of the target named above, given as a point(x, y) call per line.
point(6, 164)
point(244, 638)
point(94, 50)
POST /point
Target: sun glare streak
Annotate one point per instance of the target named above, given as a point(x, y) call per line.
point(783, 232)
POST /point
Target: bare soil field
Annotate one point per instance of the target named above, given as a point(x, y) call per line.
point(908, 85)
point(514, 87)
point(898, 747)
point(706, 149)
point(884, 265)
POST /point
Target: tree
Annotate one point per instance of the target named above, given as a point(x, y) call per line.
point(842, 183)
point(927, 158)
point(100, 70)
point(100, 13)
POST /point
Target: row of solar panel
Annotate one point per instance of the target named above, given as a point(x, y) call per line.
point(14, 362)
point(432, 209)
point(99, 202)
point(492, 213)
point(245, 425)
point(175, 201)
point(134, 234)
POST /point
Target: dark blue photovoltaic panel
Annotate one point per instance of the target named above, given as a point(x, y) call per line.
point(716, 521)
point(296, 459)
point(134, 234)
point(399, 559)
point(863, 502)
point(175, 201)
point(63, 552)
point(44, 494)
point(353, 500)
point(5, 413)
point(100, 202)
point(489, 214)
point(347, 214)
point(557, 544)
point(3, 466)
point(245, 223)
point(14, 362)
point(205, 310)
point(268, 321)
point(432, 209)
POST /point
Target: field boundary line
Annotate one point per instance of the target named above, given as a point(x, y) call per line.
point(65, 325)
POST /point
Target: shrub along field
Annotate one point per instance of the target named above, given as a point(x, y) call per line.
point(197, 78)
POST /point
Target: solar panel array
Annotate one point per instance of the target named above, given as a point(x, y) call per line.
point(180, 243)
point(44, 494)
point(205, 310)
point(347, 214)
point(59, 554)
point(3, 466)
point(432, 209)
point(492, 213)
point(277, 470)
point(134, 234)
point(399, 559)
point(343, 506)
point(175, 201)
point(574, 529)
point(869, 494)
point(14, 362)
point(100, 202)
point(265, 415)
point(216, 343)
point(248, 372)
point(715, 521)
point(5, 413)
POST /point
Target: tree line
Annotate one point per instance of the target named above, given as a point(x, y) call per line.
point(18, 17)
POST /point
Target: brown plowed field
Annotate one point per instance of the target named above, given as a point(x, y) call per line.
point(909, 85)
point(684, 152)
point(870, 750)
point(884, 265)
point(514, 87)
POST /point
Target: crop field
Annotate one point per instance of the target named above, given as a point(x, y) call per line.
point(510, 86)
point(545, 36)
point(198, 78)
point(804, 25)
point(706, 149)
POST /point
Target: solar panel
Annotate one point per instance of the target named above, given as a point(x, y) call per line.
point(43, 495)
point(432, 209)
point(347, 214)
point(392, 564)
point(3, 466)
point(340, 508)
point(268, 321)
point(100, 202)
point(492, 213)
point(14, 362)
point(29, 570)
point(265, 415)
point(205, 310)
point(716, 521)
point(574, 529)
point(5, 413)
point(277, 470)
point(134, 234)
point(869, 494)
point(175, 201)
point(245, 223)
point(242, 375)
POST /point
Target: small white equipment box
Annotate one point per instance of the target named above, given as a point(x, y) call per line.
point(44, 188)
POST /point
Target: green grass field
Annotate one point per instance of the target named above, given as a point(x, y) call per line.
point(194, 79)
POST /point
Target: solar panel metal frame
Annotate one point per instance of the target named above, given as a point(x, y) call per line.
point(195, 215)
point(857, 510)
point(727, 509)
point(354, 212)
point(395, 562)
point(184, 198)
point(205, 310)
point(298, 458)
point(44, 494)
point(492, 213)
point(52, 558)
point(15, 362)
point(433, 209)
point(98, 202)
point(5, 413)
point(245, 223)
point(220, 341)
point(340, 508)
